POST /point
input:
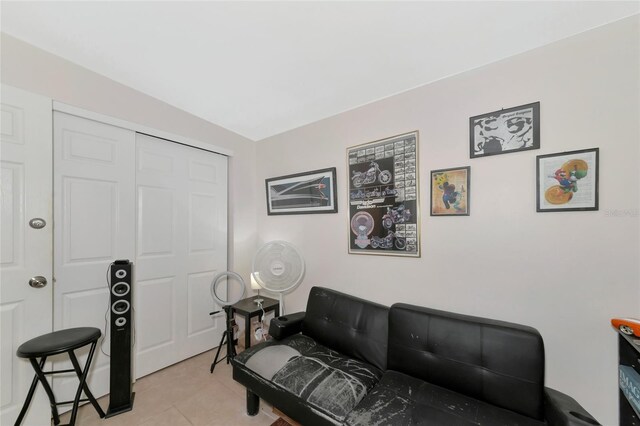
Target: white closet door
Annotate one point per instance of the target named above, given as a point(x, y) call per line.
point(25, 312)
point(181, 246)
point(94, 213)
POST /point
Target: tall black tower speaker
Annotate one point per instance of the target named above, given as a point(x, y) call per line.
point(120, 383)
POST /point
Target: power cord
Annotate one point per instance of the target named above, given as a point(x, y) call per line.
point(260, 333)
point(106, 313)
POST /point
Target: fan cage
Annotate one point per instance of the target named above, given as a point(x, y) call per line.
point(278, 267)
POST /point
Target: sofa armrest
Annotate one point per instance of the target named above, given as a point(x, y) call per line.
point(562, 410)
point(286, 325)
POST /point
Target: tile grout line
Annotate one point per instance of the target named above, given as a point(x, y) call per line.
point(183, 414)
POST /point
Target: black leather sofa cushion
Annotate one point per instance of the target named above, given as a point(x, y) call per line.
point(492, 361)
point(399, 399)
point(352, 326)
point(442, 369)
point(320, 377)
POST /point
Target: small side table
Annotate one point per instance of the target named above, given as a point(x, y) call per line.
point(248, 308)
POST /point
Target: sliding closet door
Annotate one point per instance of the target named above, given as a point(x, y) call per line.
point(181, 246)
point(122, 195)
point(94, 215)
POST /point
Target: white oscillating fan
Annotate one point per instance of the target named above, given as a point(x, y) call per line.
point(278, 267)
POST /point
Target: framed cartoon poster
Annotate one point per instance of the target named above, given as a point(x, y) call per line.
point(384, 212)
point(450, 191)
point(567, 181)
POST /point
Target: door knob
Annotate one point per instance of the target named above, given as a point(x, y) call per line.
point(38, 281)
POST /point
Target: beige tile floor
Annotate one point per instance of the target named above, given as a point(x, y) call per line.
point(184, 394)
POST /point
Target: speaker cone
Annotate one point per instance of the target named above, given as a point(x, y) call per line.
point(120, 307)
point(120, 289)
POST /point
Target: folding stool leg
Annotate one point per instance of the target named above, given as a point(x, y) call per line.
point(32, 390)
point(82, 385)
point(47, 388)
point(79, 373)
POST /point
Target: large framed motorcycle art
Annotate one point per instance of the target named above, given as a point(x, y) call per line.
point(384, 210)
point(308, 192)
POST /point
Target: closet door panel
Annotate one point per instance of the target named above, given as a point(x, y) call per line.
point(156, 231)
point(161, 338)
point(207, 245)
point(160, 204)
point(182, 239)
point(94, 215)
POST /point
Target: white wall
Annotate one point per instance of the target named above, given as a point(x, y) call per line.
point(35, 70)
point(566, 273)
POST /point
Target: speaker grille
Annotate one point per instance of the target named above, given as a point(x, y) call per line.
point(120, 289)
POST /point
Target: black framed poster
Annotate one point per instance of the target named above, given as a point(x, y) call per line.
point(302, 193)
point(567, 181)
point(504, 131)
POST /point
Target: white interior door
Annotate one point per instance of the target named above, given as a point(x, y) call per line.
point(181, 246)
point(94, 212)
point(25, 312)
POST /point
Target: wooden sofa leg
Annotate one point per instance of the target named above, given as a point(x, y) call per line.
point(253, 403)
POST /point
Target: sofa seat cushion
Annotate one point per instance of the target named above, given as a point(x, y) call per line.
point(325, 379)
point(401, 399)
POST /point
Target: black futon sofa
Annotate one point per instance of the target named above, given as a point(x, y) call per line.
point(353, 362)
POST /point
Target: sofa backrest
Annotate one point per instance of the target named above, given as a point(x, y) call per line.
point(494, 361)
point(347, 324)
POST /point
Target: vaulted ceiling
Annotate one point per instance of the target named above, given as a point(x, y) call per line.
point(262, 68)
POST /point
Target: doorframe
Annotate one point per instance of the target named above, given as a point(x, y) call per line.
point(139, 128)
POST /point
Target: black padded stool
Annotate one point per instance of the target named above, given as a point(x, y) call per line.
point(56, 343)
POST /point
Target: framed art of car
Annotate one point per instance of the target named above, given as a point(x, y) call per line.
point(300, 193)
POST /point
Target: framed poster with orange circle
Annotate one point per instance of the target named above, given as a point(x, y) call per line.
point(567, 181)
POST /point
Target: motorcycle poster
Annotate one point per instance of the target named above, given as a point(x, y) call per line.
point(383, 197)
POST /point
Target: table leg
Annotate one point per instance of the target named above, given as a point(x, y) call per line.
point(247, 332)
point(231, 342)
